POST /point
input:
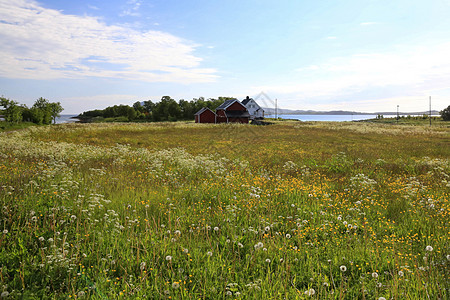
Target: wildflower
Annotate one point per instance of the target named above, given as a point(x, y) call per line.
point(429, 248)
point(168, 258)
point(400, 273)
point(258, 245)
point(448, 257)
point(375, 275)
point(209, 253)
point(5, 231)
point(229, 293)
point(73, 217)
point(216, 228)
point(177, 232)
point(268, 261)
point(267, 228)
point(5, 294)
point(50, 240)
point(185, 250)
point(343, 268)
point(175, 285)
point(240, 245)
point(142, 265)
point(325, 284)
point(34, 219)
point(237, 294)
point(288, 236)
point(41, 239)
point(81, 294)
point(310, 292)
point(381, 298)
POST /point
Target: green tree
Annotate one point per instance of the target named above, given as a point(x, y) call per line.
point(445, 114)
point(44, 116)
point(12, 111)
point(55, 110)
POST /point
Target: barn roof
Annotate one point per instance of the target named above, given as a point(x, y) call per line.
point(246, 100)
point(203, 110)
point(226, 104)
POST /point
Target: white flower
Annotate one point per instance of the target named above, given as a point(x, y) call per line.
point(268, 261)
point(5, 294)
point(177, 232)
point(448, 257)
point(168, 258)
point(267, 228)
point(175, 285)
point(5, 231)
point(288, 236)
point(258, 245)
point(216, 228)
point(400, 273)
point(229, 293)
point(310, 292)
point(240, 245)
point(343, 268)
point(50, 240)
point(429, 248)
point(41, 239)
point(375, 275)
point(381, 298)
point(209, 253)
point(81, 294)
point(185, 250)
point(142, 265)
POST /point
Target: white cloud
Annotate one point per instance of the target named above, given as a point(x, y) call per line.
point(40, 43)
point(133, 8)
point(404, 72)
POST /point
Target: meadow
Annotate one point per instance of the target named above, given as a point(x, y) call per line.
point(293, 210)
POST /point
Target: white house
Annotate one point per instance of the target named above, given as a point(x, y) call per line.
point(255, 111)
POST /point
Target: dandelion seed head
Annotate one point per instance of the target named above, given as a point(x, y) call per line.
point(5, 231)
point(4, 294)
point(400, 273)
point(375, 275)
point(268, 261)
point(429, 248)
point(343, 268)
point(175, 285)
point(168, 258)
point(209, 253)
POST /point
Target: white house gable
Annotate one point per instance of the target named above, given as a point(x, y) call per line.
point(253, 108)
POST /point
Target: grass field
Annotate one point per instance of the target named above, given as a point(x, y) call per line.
point(293, 210)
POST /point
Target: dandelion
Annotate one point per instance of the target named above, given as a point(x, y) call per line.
point(429, 248)
point(175, 285)
point(73, 218)
point(240, 245)
point(209, 253)
point(229, 293)
point(448, 257)
point(41, 239)
point(381, 298)
point(5, 294)
point(310, 292)
point(400, 273)
point(5, 231)
point(216, 228)
point(268, 261)
point(267, 228)
point(50, 240)
point(343, 268)
point(177, 232)
point(375, 275)
point(258, 245)
point(81, 294)
point(142, 265)
point(169, 258)
point(185, 250)
point(288, 236)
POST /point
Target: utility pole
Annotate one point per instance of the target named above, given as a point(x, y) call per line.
point(430, 110)
point(397, 114)
point(276, 108)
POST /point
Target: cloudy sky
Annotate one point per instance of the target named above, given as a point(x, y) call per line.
point(359, 55)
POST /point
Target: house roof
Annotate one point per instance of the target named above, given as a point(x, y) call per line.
point(203, 110)
point(237, 114)
point(246, 100)
point(226, 104)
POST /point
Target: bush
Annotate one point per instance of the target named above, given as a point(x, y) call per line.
point(445, 114)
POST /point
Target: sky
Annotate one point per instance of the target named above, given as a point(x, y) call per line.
point(355, 55)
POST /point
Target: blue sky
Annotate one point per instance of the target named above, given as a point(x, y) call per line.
point(359, 55)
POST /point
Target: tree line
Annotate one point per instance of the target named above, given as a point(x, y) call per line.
point(42, 112)
point(148, 111)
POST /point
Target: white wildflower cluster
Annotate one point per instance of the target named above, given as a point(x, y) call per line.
point(232, 289)
point(290, 166)
point(256, 286)
point(361, 181)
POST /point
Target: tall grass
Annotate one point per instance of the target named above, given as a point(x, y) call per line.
point(180, 211)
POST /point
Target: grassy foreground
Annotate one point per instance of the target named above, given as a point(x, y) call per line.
point(192, 211)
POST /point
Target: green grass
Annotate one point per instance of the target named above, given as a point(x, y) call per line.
point(184, 210)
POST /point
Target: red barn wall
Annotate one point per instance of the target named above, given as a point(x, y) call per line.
point(236, 106)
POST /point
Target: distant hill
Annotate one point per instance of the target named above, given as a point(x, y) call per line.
point(282, 111)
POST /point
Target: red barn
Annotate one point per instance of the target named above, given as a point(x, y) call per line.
point(205, 115)
point(232, 111)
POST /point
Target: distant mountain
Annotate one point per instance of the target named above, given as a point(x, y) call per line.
point(282, 111)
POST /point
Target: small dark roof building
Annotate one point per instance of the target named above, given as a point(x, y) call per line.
point(232, 111)
point(205, 115)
